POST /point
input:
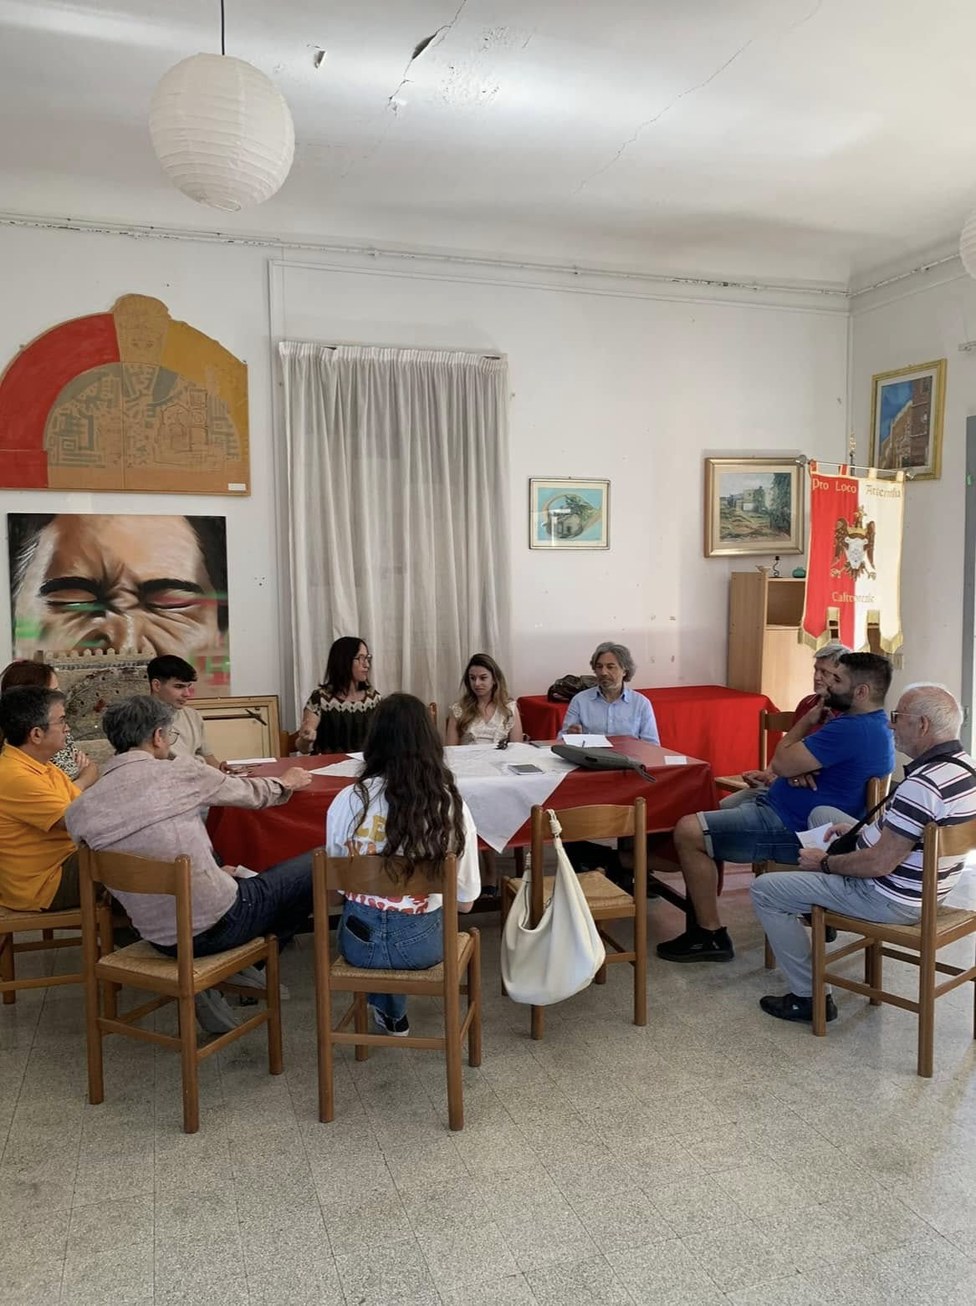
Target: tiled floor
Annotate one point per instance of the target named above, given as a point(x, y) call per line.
point(716, 1156)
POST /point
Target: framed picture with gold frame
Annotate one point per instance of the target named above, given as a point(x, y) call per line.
point(753, 506)
point(243, 728)
point(907, 413)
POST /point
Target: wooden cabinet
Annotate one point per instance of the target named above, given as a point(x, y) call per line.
point(765, 655)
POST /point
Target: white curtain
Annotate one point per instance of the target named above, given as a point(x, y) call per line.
point(397, 463)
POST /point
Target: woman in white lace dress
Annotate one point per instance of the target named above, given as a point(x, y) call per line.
point(485, 713)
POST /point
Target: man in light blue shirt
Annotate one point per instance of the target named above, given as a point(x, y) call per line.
point(611, 708)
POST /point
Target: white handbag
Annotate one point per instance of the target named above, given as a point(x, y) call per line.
point(563, 953)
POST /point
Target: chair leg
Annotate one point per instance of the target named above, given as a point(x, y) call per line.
point(47, 936)
point(190, 1065)
point(769, 961)
point(537, 1024)
point(362, 1015)
point(93, 1038)
point(601, 976)
point(106, 941)
point(273, 1000)
point(640, 970)
point(452, 1055)
point(819, 951)
point(474, 1000)
point(8, 971)
point(926, 1014)
point(873, 961)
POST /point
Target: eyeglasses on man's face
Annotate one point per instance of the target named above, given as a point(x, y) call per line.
point(895, 717)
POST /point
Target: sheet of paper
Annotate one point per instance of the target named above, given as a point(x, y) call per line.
point(814, 838)
point(244, 873)
point(587, 741)
point(348, 767)
point(249, 761)
point(676, 759)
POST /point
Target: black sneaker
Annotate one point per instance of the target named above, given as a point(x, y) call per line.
point(697, 944)
point(387, 1025)
point(789, 1007)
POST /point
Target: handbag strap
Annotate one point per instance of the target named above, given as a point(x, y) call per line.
point(555, 828)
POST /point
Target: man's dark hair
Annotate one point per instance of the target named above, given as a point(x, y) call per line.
point(170, 667)
point(869, 669)
point(131, 722)
point(24, 709)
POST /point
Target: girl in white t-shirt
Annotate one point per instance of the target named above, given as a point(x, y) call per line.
point(405, 803)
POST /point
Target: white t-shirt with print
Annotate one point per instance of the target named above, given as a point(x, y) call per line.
point(369, 836)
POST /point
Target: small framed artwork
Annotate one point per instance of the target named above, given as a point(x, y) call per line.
point(907, 410)
point(569, 514)
point(753, 505)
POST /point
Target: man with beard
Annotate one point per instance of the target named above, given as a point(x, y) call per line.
point(825, 767)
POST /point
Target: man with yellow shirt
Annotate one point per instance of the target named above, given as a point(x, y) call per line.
point(38, 866)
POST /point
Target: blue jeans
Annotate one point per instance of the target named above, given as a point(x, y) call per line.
point(748, 832)
point(279, 901)
point(393, 940)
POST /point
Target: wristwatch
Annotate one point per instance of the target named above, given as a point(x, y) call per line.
point(825, 864)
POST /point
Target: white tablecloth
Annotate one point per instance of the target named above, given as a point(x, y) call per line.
point(500, 801)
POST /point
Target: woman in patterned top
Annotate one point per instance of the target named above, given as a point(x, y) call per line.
point(22, 672)
point(337, 716)
point(484, 714)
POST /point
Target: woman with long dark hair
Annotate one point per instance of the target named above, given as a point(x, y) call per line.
point(404, 804)
point(485, 713)
point(337, 716)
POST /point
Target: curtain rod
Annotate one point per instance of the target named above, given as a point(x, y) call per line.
point(492, 358)
point(802, 460)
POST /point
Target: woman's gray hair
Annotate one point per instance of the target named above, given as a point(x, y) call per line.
point(938, 705)
point(834, 650)
point(621, 652)
point(131, 722)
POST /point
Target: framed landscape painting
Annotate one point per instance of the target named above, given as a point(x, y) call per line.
point(753, 505)
point(569, 514)
point(907, 409)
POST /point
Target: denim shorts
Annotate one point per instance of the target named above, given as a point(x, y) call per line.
point(751, 832)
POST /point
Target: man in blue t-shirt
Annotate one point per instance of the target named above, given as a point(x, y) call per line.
point(829, 766)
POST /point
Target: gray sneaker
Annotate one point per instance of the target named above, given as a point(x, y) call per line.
point(213, 1013)
point(252, 978)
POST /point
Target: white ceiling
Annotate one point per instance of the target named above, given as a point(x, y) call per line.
point(782, 140)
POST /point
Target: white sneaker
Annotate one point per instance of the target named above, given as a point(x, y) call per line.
point(213, 1013)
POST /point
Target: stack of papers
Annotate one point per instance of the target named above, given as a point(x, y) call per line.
point(587, 741)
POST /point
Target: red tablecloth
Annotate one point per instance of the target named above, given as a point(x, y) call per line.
point(261, 839)
point(709, 721)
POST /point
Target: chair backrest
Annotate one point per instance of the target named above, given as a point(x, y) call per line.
point(382, 877)
point(127, 873)
point(600, 821)
point(878, 787)
point(771, 723)
point(940, 841)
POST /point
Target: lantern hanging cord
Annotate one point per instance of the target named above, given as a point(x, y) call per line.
point(223, 47)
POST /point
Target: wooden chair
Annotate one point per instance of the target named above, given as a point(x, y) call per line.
point(877, 787)
point(287, 742)
point(177, 979)
point(937, 928)
point(770, 723)
point(460, 972)
point(13, 923)
point(606, 900)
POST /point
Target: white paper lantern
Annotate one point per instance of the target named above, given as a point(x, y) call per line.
point(967, 245)
point(222, 131)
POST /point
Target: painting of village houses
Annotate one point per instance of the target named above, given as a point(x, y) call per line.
point(752, 505)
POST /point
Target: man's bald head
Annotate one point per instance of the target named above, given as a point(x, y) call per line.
point(935, 704)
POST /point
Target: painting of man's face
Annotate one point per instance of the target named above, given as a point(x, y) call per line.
point(132, 584)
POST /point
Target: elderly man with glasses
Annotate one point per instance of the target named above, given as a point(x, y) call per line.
point(881, 879)
point(38, 864)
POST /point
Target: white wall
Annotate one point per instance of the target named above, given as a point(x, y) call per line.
point(915, 321)
point(614, 381)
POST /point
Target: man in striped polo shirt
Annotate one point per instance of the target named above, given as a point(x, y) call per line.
point(882, 879)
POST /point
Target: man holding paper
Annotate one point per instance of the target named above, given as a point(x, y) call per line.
point(815, 765)
point(881, 880)
point(611, 708)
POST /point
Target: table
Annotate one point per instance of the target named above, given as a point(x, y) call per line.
point(709, 721)
point(260, 839)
